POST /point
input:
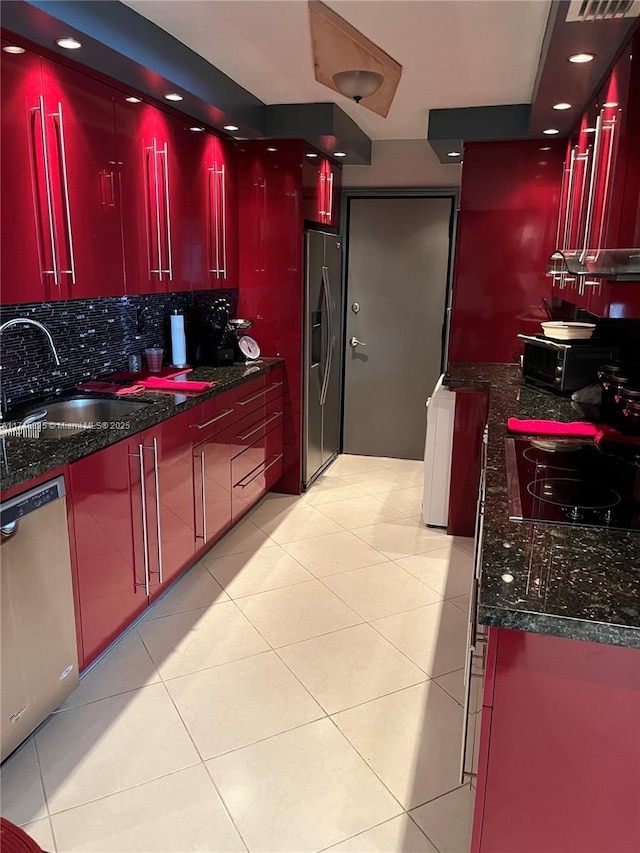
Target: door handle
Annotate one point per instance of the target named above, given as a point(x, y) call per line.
point(354, 342)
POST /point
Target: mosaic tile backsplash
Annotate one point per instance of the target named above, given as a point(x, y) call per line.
point(93, 338)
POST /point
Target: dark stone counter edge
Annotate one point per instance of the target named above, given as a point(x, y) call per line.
point(161, 407)
point(560, 626)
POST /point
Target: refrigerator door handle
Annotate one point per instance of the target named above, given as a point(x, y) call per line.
point(327, 303)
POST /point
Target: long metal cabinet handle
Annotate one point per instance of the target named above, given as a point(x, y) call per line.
point(204, 496)
point(223, 181)
point(213, 222)
point(145, 539)
point(264, 467)
point(65, 187)
point(262, 425)
point(330, 188)
point(592, 188)
point(165, 153)
point(213, 420)
point(327, 302)
point(219, 218)
point(47, 182)
point(260, 393)
point(158, 528)
point(465, 714)
point(153, 150)
point(606, 125)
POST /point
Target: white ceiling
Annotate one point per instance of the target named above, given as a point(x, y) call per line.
point(454, 53)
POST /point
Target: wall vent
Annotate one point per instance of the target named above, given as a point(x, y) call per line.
point(602, 10)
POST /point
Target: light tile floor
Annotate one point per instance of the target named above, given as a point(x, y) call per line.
point(300, 689)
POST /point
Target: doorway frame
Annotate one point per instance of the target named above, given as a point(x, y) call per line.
point(348, 195)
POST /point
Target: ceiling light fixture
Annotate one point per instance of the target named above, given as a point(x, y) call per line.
point(606, 104)
point(546, 148)
point(562, 106)
point(69, 43)
point(551, 131)
point(454, 154)
point(231, 127)
point(357, 84)
point(580, 58)
point(339, 154)
point(196, 129)
point(133, 100)
point(310, 156)
point(13, 48)
point(173, 96)
point(272, 149)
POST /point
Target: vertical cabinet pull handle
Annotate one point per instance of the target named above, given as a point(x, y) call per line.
point(145, 540)
point(592, 189)
point(610, 126)
point(158, 527)
point(329, 354)
point(330, 192)
point(204, 496)
point(47, 182)
point(65, 188)
point(167, 216)
point(154, 209)
point(218, 204)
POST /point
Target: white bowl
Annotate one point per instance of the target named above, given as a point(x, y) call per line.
point(563, 331)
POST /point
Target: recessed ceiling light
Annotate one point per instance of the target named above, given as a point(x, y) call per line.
point(13, 48)
point(607, 104)
point(69, 43)
point(546, 148)
point(133, 100)
point(272, 149)
point(310, 156)
point(579, 58)
point(196, 129)
point(562, 106)
point(231, 127)
point(339, 154)
point(173, 96)
point(551, 131)
point(454, 154)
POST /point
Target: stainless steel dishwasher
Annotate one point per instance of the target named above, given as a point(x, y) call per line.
point(38, 631)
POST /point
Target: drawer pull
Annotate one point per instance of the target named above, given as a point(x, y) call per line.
point(259, 427)
point(213, 420)
point(260, 393)
point(260, 469)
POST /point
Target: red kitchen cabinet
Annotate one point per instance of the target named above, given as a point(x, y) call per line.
point(110, 590)
point(26, 227)
point(214, 214)
point(471, 412)
point(154, 151)
point(560, 753)
point(321, 190)
point(165, 541)
point(60, 195)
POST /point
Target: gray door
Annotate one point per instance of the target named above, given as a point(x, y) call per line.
point(397, 275)
point(331, 413)
point(315, 334)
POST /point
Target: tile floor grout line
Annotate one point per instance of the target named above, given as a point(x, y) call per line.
point(381, 696)
point(39, 763)
point(361, 832)
point(226, 807)
point(416, 824)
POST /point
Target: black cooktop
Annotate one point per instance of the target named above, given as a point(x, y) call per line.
point(560, 482)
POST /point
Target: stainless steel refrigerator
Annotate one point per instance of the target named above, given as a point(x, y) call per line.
point(322, 350)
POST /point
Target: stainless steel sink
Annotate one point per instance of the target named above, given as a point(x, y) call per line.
point(66, 418)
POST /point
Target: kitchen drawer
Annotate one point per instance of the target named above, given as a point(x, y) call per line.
point(253, 427)
point(255, 470)
point(255, 395)
point(211, 417)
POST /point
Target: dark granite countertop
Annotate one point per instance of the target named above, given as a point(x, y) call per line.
point(22, 459)
point(580, 583)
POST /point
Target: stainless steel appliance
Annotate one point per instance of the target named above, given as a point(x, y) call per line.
point(574, 484)
point(38, 631)
point(564, 366)
point(322, 290)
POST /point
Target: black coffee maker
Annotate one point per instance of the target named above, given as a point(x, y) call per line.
point(216, 343)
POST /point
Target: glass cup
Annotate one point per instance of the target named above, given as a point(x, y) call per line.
point(154, 359)
point(135, 362)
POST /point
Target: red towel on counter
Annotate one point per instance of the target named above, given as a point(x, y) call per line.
point(156, 384)
point(600, 433)
point(575, 429)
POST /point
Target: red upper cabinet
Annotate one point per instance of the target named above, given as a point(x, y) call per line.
point(321, 190)
point(213, 243)
point(27, 228)
point(83, 173)
point(60, 201)
point(153, 157)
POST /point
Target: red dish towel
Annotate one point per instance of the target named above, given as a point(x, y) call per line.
point(156, 384)
point(609, 434)
point(575, 429)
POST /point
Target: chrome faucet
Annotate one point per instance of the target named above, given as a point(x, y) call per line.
point(25, 321)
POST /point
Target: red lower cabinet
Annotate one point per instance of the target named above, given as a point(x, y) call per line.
point(212, 489)
point(110, 591)
point(559, 767)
